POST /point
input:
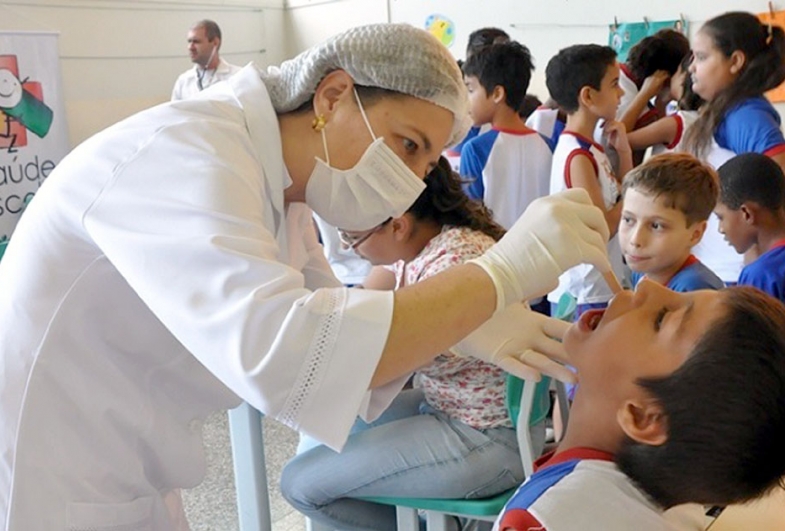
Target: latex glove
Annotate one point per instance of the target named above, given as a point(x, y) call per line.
point(521, 342)
point(554, 234)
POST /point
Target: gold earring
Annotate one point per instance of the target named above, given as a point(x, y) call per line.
point(318, 123)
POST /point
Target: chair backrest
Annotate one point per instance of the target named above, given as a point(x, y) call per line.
point(527, 404)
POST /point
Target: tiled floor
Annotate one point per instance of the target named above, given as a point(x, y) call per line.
point(211, 506)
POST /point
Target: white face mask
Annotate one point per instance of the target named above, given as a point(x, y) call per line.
point(380, 186)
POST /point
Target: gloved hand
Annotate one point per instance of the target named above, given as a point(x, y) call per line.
point(521, 342)
point(554, 234)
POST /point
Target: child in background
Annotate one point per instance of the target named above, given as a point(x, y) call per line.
point(650, 64)
point(510, 165)
point(692, 413)
point(584, 82)
point(667, 134)
point(667, 201)
point(751, 211)
point(478, 39)
point(737, 59)
point(449, 438)
point(549, 121)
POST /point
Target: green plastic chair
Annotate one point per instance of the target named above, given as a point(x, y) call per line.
point(527, 405)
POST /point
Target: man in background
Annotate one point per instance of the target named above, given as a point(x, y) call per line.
point(204, 42)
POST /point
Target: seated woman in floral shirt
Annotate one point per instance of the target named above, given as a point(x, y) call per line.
point(450, 436)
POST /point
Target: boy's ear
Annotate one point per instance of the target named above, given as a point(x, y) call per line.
point(585, 96)
point(643, 421)
point(698, 228)
point(499, 94)
point(749, 212)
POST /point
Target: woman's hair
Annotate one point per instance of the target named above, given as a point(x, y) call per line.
point(661, 51)
point(764, 68)
point(689, 101)
point(725, 412)
point(444, 202)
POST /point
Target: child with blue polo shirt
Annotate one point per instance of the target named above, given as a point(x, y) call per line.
point(667, 202)
point(508, 166)
point(751, 211)
point(584, 81)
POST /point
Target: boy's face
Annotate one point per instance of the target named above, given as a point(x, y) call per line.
point(735, 226)
point(654, 237)
point(605, 101)
point(481, 105)
point(647, 333)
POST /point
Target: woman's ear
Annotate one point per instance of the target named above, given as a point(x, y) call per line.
point(402, 227)
point(643, 421)
point(332, 89)
point(737, 61)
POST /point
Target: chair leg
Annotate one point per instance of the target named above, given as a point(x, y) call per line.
point(250, 472)
point(310, 525)
point(407, 519)
point(436, 521)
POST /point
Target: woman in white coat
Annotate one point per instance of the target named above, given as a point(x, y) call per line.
point(168, 268)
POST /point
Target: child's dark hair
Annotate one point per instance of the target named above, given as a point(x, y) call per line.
point(483, 37)
point(444, 202)
point(684, 182)
point(752, 177)
point(530, 104)
point(764, 68)
point(662, 51)
point(508, 64)
point(576, 67)
point(725, 411)
point(689, 101)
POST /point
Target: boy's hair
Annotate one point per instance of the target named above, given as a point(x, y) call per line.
point(689, 101)
point(764, 68)
point(508, 64)
point(576, 67)
point(662, 51)
point(752, 177)
point(483, 37)
point(724, 409)
point(444, 202)
point(684, 183)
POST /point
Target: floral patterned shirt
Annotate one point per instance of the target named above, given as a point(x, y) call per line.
point(466, 389)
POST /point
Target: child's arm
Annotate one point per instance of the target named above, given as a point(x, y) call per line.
point(651, 87)
point(584, 175)
point(663, 131)
point(380, 278)
point(617, 137)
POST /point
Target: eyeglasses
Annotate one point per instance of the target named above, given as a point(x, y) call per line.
point(351, 239)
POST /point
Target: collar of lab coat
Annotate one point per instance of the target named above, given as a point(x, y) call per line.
point(262, 124)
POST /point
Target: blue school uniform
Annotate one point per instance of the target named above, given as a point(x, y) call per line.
point(767, 273)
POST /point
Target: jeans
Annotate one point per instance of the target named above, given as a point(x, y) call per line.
point(411, 451)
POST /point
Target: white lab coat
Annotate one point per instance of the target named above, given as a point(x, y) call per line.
point(157, 277)
point(187, 84)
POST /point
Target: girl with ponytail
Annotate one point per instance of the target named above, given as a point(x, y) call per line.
point(736, 60)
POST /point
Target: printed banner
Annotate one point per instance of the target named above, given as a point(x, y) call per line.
point(33, 132)
point(777, 18)
point(624, 36)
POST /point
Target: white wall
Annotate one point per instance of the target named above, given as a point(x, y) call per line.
point(545, 26)
point(118, 57)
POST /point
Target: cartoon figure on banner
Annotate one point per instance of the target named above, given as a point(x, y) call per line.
point(442, 28)
point(21, 107)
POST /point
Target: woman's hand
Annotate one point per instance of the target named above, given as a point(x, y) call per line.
point(521, 342)
point(554, 234)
